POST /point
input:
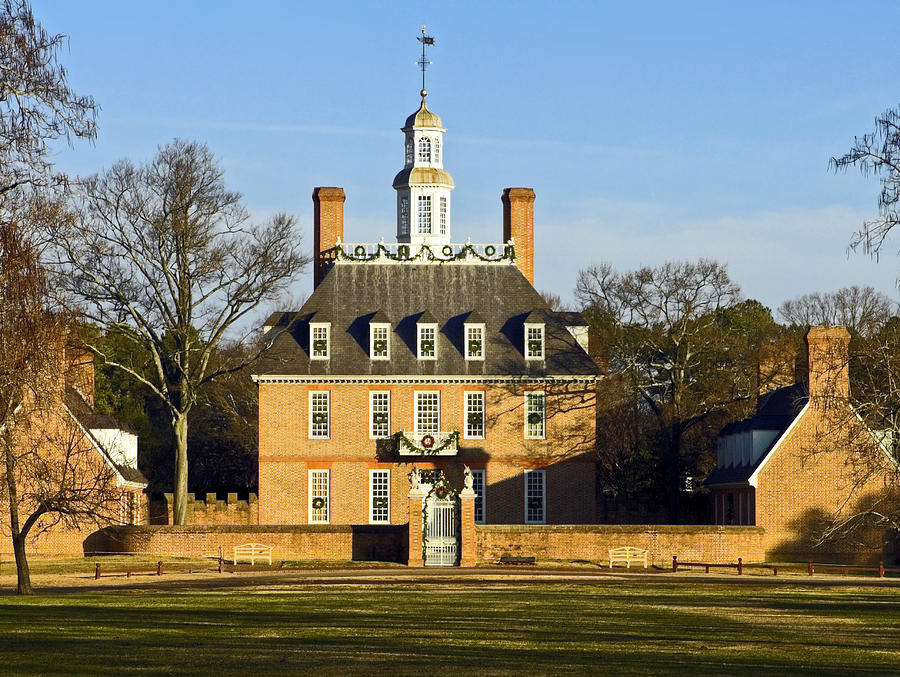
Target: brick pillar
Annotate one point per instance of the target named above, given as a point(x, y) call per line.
point(328, 227)
point(467, 528)
point(829, 354)
point(416, 498)
point(518, 224)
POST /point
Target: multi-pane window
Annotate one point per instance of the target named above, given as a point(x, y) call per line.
point(129, 508)
point(535, 415)
point(424, 149)
point(475, 413)
point(474, 342)
point(379, 496)
point(427, 342)
point(404, 215)
point(409, 150)
point(437, 149)
point(535, 496)
point(379, 342)
point(443, 215)
point(320, 413)
point(320, 342)
point(428, 412)
point(319, 496)
point(478, 485)
point(534, 341)
point(424, 214)
point(380, 414)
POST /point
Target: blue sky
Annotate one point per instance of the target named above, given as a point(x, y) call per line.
point(650, 131)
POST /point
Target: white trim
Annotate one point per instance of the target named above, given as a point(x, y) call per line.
point(366, 378)
point(372, 473)
point(310, 497)
point(372, 327)
point(543, 473)
point(310, 417)
point(120, 480)
point(753, 478)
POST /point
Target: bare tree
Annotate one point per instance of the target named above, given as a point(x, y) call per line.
point(679, 336)
point(863, 310)
point(37, 105)
point(162, 255)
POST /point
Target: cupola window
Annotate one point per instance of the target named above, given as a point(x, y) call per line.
point(424, 149)
point(404, 215)
point(409, 151)
point(443, 215)
point(424, 214)
point(437, 149)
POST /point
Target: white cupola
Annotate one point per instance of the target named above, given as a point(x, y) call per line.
point(423, 185)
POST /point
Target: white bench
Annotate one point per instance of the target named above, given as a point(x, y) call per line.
point(627, 555)
point(252, 552)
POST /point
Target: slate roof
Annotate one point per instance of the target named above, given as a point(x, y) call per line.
point(352, 293)
point(89, 419)
point(776, 410)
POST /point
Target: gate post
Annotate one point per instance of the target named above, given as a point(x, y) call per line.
point(416, 501)
point(467, 527)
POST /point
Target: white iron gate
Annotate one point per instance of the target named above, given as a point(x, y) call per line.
point(440, 532)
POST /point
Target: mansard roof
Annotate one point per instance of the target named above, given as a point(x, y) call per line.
point(353, 293)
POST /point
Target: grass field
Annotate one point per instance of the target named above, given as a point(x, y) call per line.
point(615, 629)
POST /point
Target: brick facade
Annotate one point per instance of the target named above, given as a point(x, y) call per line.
point(208, 510)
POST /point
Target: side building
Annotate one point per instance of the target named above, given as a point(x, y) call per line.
point(413, 362)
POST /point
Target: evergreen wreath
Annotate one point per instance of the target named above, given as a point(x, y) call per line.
point(319, 418)
point(359, 251)
point(490, 250)
point(379, 418)
point(475, 418)
point(534, 346)
point(535, 418)
point(447, 250)
point(427, 441)
point(379, 502)
point(320, 345)
point(474, 346)
point(427, 346)
point(535, 503)
point(318, 503)
point(380, 345)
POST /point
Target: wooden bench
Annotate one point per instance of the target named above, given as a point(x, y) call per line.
point(627, 555)
point(514, 559)
point(252, 552)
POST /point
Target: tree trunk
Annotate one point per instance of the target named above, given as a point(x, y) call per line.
point(179, 510)
point(673, 474)
point(23, 574)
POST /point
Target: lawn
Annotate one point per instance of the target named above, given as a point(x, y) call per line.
point(615, 628)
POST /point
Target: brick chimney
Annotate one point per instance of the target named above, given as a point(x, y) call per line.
point(829, 353)
point(328, 226)
point(518, 223)
point(80, 372)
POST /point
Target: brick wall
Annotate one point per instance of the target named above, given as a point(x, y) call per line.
point(208, 509)
point(287, 454)
point(592, 542)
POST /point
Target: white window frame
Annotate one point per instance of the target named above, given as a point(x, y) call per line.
point(384, 395)
point(387, 337)
point(418, 395)
point(424, 149)
point(420, 330)
point(471, 406)
point(532, 431)
point(442, 214)
point(479, 480)
point(410, 151)
point(534, 332)
point(474, 331)
point(314, 485)
point(315, 434)
point(384, 514)
point(404, 215)
point(530, 473)
point(424, 224)
point(436, 150)
point(315, 327)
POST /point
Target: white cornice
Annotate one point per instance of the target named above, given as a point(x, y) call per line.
point(754, 477)
point(307, 378)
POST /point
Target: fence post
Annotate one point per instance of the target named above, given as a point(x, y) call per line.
point(881, 569)
point(740, 566)
point(220, 559)
point(674, 563)
point(774, 571)
point(810, 569)
point(159, 568)
point(96, 570)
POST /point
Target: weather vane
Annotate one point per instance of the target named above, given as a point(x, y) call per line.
point(423, 62)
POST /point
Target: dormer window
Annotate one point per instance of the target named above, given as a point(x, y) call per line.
point(474, 341)
point(320, 340)
point(427, 341)
point(534, 341)
point(380, 341)
point(424, 149)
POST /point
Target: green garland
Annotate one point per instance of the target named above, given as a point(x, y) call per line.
point(453, 495)
point(404, 442)
point(426, 253)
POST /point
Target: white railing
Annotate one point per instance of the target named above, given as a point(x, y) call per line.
point(428, 444)
point(382, 252)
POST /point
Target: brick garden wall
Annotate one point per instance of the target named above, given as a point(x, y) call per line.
point(208, 510)
point(591, 542)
